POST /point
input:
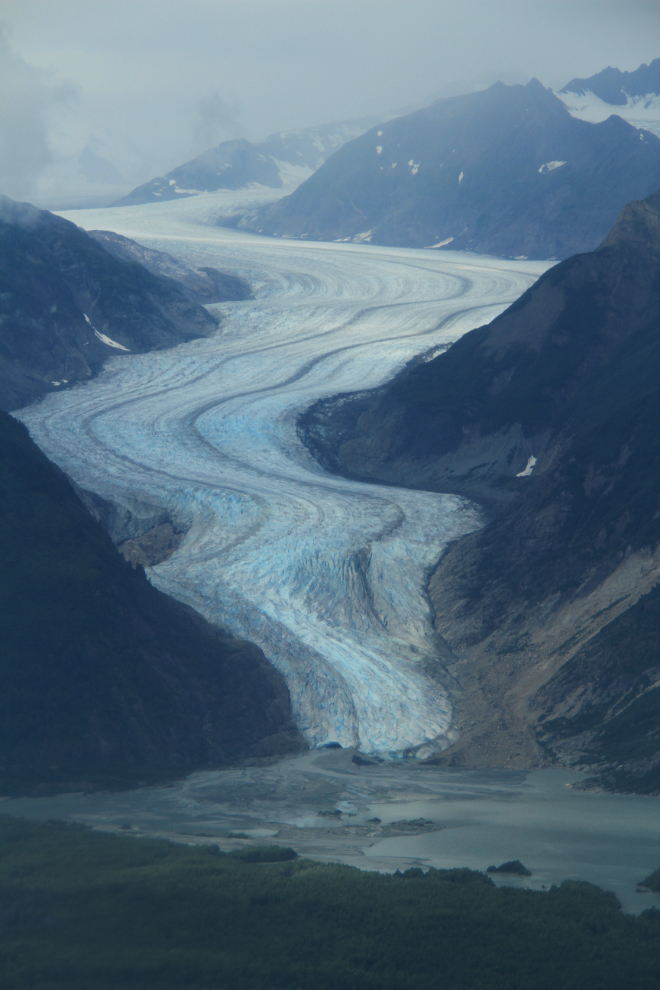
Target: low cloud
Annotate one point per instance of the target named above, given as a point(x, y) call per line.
point(216, 121)
point(24, 146)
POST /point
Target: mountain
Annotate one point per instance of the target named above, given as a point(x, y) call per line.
point(548, 415)
point(616, 87)
point(66, 303)
point(237, 163)
point(203, 285)
point(104, 678)
point(634, 96)
point(505, 171)
point(94, 168)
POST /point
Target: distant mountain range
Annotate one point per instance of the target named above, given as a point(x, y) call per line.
point(237, 163)
point(549, 415)
point(68, 300)
point(616, 87)
point(635, 96)
point(506, 171)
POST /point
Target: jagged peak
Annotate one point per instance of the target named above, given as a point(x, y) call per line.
point(535, 86)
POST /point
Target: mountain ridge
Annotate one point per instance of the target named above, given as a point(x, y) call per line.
point(615, 87)
point(67, 303)
point(505, 171)
point(548, 415)
point(106, 680)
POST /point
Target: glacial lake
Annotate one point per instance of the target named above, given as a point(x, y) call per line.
point(324, 805)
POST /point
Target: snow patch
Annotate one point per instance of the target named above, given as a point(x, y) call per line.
point(110, 342)
point(550, 167)
point(380, 134)
point(363, 238)
point(379, 149)
point(440, 244)
point(531, 461)
point(460, 178)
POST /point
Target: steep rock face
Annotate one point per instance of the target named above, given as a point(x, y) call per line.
point(104, 677)
point(507, 171)
point(66, 304)
point(469, 420)
point(551, 608)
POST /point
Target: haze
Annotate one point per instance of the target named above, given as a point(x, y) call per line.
point(145, 86)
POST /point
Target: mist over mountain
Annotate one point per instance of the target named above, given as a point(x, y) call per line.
point(550, 412)
point(506, 171)
point(237, 163)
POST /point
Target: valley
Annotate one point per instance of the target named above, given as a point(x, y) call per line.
point(327, 575)
point(387, 816)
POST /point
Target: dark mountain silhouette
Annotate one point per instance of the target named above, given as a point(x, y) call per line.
point(105, 680)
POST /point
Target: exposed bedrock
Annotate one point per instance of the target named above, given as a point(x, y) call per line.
point(549, 416)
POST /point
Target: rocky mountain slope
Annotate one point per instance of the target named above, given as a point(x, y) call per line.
point(66, 304)
point(549, 414)
point(237, 163)
point(203, 285)
point(105, 679)
point(506, 171)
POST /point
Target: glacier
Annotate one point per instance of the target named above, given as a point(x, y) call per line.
point(327, 575)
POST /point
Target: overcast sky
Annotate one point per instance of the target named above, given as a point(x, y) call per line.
point(154, 82)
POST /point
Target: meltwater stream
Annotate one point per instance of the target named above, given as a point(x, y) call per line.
point(326, 575)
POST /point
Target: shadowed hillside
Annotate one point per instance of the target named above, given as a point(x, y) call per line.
point(66, 304)
point(105, 679)
point(550, 414)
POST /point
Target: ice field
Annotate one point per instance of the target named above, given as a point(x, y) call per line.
point(326, 575)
